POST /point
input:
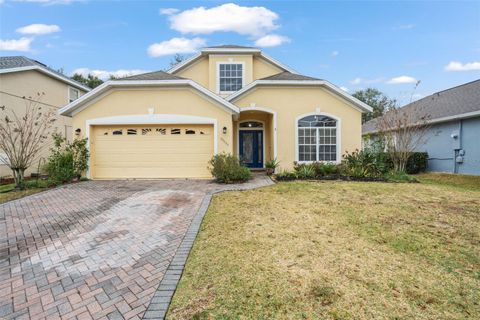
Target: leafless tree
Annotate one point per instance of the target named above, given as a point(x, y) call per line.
point(24, 135)
point(404, 131)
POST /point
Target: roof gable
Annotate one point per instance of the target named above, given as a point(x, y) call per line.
point(137, 81)
point(291, 79)
point(229, 49)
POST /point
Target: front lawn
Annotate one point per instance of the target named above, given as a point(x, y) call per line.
point(8, 192)
point(336, 250)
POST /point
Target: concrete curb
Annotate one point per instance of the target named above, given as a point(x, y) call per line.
point(158, 307)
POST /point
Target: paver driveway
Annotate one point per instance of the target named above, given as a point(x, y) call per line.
point(95, 249)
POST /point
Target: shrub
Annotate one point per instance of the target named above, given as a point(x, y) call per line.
point(226, 168)
point(306, 171)
point(286, 176)
point(417, 162)
point(365, 163)
point(398, 176)
point(326, 168)
point(67, 160)
point(271, 166)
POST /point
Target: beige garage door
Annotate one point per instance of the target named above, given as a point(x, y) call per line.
point(149, 152)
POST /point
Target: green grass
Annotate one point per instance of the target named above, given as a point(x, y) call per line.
point(337, 250)
point(8, 192)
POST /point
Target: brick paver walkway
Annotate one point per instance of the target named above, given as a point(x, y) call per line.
point(94, 250)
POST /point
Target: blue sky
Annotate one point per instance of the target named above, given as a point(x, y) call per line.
point(387, 45)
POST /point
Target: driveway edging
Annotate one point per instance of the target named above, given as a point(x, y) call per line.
point(158, 307)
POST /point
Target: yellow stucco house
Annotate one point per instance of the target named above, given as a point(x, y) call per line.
point(21, 78)
point(229, 99)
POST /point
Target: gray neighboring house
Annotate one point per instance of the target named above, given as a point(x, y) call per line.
point(453, 138)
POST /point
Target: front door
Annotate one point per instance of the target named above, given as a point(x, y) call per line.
point(251, 148)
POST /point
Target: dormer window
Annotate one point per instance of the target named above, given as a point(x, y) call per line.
point(73, 94)
point(230, 76)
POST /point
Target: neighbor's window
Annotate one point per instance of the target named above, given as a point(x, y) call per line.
point(230, 77)
point(73, 94)
point(317, 138)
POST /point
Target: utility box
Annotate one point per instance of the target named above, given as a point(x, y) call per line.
point(455, 135)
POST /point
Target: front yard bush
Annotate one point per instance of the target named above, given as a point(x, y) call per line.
point(227, 168)
point(286, 175)
point(315, 169)
point(365, 163)
point(68, 160)
point(417, 162)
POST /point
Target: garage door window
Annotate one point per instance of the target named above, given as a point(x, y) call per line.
point(132, 132)
point(118, 132)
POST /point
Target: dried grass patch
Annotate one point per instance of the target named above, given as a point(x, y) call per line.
point(335, 250)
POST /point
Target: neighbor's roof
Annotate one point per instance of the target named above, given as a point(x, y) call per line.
point(156, 75)
point(20, 63)
point(458, 102)
point(293, 79)
point(150, 79)
point(229, 49)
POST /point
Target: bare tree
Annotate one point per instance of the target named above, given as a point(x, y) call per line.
point(23, 136)
point(404, 131)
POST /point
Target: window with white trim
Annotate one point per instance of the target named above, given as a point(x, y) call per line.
point(73, 94)
point(230, 77)
point(317, 138)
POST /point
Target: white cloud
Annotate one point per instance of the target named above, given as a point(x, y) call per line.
point(344, 89)
point(358, 81)
point(271, 40)
point(38, 29)
point(105, 75)
point(335, 53)
point(458, 66)
point(22, 44)
point(404, 27)
point(168, 11)
point(229, 17)
point(402, 80)
point(175, 45)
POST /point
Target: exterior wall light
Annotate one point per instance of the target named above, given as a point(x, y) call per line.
point(224, 130)
point(77, 131)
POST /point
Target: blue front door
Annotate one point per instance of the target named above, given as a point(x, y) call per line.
point(251, 148)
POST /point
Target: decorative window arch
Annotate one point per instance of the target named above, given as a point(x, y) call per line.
point(317, 138)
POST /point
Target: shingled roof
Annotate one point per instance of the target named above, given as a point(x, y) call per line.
point(440, 106)
point(156, 75)
point(288, 76)
point(14, 62)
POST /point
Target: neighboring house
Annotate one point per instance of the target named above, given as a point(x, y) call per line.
point(23, 77)
point(227, 99)
point(453, 137)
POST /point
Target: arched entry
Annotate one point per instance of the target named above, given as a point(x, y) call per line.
point(256, 136)
point(251, 143)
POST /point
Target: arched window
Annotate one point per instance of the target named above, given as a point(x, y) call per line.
point(317, 138)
